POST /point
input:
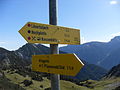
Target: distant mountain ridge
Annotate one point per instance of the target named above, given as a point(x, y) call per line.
point(22, 57)
point(103, 54)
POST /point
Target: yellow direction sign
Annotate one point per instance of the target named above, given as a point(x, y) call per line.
point(64, 64)
point(49, 34)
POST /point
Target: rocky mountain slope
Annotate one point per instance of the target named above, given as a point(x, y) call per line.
point(114, 72)
point(8, 58)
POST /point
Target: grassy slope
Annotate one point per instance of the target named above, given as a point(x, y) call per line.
point(65, 85)
point(108, 84)
point(5, 84)
point(17, 79)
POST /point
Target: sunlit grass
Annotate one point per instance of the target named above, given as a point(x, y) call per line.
point(17, 79)
point(64, 85)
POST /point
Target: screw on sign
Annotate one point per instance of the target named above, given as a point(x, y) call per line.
point(29, 25)
point(29, 31)
point(29, 38)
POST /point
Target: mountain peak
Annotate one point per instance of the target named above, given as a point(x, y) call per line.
point(29, 49)
point(115, 39)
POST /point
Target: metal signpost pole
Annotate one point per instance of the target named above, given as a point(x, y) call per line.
point(55, 79)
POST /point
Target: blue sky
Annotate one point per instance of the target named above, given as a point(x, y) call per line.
point(98, 20)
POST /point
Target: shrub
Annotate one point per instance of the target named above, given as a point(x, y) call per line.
point(48, 88)
point(27, 82)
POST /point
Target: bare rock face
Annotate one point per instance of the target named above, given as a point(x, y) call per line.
point(114, 72)
point(2, 74)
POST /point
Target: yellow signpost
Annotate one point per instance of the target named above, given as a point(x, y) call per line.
point(49, 34)
point(64, 64)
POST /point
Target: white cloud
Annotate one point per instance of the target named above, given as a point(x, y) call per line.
point(2, 42)
point(113, 2)
point(83, 40)
point(111, 36)
point(115, 34)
